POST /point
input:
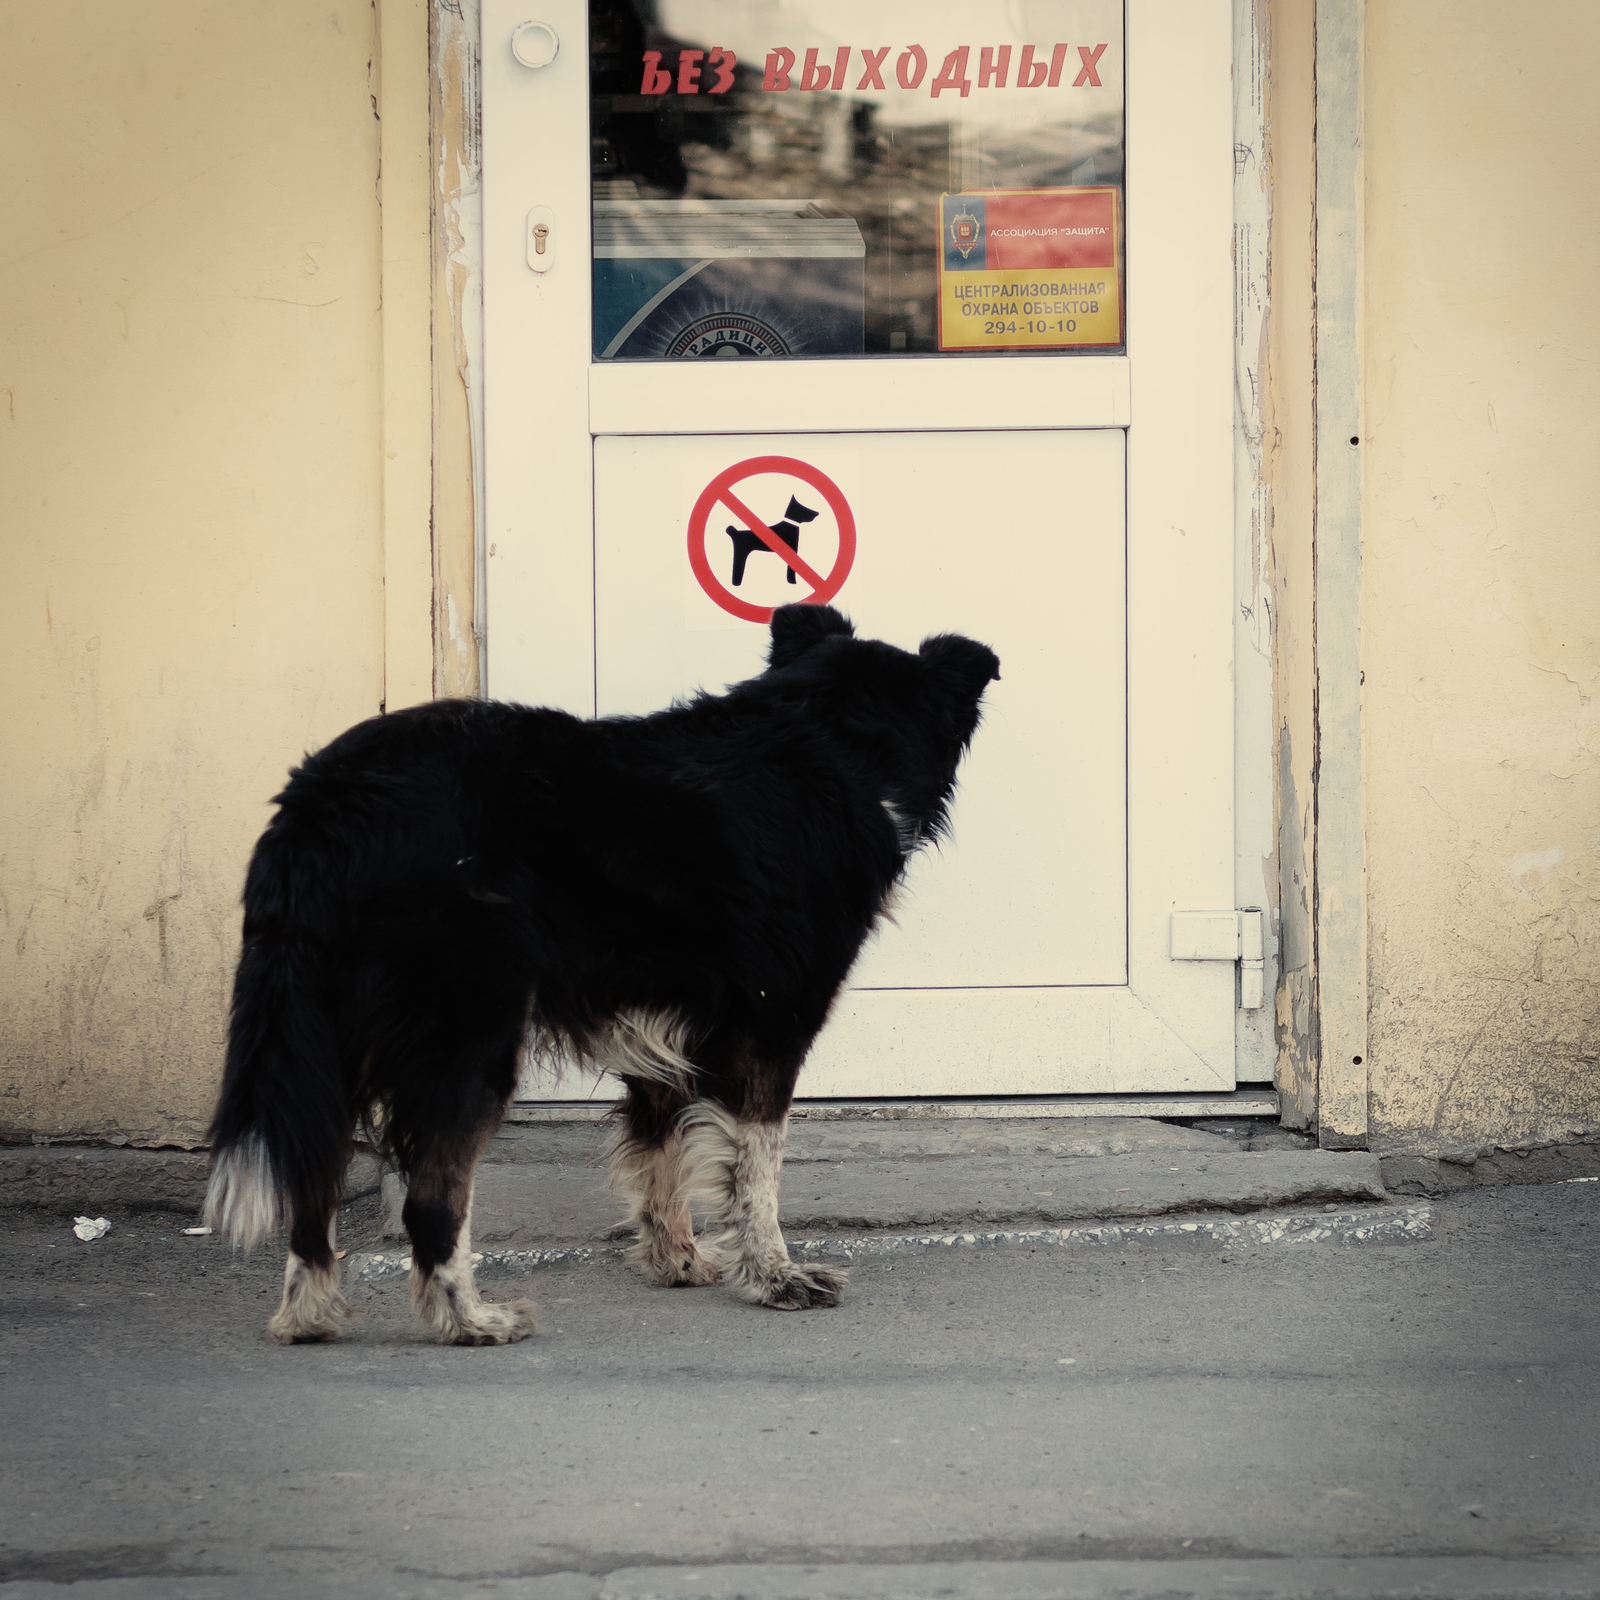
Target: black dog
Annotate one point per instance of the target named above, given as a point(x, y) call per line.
point(677, 897)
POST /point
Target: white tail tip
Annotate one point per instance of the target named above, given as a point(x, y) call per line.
point(242, 1201)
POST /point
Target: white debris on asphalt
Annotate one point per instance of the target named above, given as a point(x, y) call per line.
point(88, 1228)
point(1359, 1225)
point(194, 1231)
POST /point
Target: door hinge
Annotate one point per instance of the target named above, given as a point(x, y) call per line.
point(1225, 936)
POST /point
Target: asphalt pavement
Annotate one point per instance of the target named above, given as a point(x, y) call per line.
point(1174, 1415)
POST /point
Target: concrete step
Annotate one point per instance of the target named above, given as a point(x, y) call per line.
point(585, 1143)
point(550, 1188)
point(941, 1193)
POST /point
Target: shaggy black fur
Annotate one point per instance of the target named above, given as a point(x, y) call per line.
point(439, 879)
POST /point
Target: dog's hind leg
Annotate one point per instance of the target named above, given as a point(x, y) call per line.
point(740, 1161)
point(653, 1171)
point(445, 1293)
point(438, 1216)
point(313, 1309)
point(453, 1013)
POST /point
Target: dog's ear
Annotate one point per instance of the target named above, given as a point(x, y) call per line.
point(970, 666)
point(796, 629)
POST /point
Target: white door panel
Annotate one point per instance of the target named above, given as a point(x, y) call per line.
point(952, 1042)
point(1016, 539)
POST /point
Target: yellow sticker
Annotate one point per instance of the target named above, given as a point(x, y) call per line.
point(1029, 269)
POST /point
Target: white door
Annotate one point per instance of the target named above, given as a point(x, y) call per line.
point(1032, 471)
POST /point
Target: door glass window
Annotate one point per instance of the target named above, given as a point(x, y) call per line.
point(830, 178)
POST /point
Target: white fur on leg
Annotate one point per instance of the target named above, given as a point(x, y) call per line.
point(743, 1163)
point(447, 1300)
point(652, 1045)
point(313, 1310)
point(656, 1181)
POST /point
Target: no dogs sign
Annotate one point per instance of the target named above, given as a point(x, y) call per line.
point(792, 505)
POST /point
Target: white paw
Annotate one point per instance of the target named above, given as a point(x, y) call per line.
point(677, 1264)
point(800, 1288)
point(493, 1324)
point(297, 1327)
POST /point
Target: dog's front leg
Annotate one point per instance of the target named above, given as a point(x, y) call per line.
point(744, 1161)
point(656, 1181)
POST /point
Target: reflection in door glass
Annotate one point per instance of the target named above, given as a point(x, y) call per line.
point(826, 178)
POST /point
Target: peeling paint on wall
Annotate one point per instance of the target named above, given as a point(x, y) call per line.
point(1531, 870)
point(1295, 1002)
point(1288, 470)
point(458, 343)
point(1255, 845)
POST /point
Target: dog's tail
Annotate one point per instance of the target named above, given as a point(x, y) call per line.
point(283, 1132)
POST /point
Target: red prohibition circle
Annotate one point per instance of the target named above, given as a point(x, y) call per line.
point(720, 488)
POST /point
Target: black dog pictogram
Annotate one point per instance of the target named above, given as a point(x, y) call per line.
point(746, 544)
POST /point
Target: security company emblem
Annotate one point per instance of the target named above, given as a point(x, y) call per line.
point(965, 231)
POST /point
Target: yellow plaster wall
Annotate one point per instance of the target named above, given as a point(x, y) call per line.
point(190, 491)
point(1481, 529)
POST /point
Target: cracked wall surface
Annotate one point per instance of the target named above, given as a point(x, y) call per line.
point(1481, 644)
point(189, 454)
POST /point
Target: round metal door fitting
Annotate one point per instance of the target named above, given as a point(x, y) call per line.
point(534, 44)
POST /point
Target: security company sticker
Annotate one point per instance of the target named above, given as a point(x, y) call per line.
point(1029, 269)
